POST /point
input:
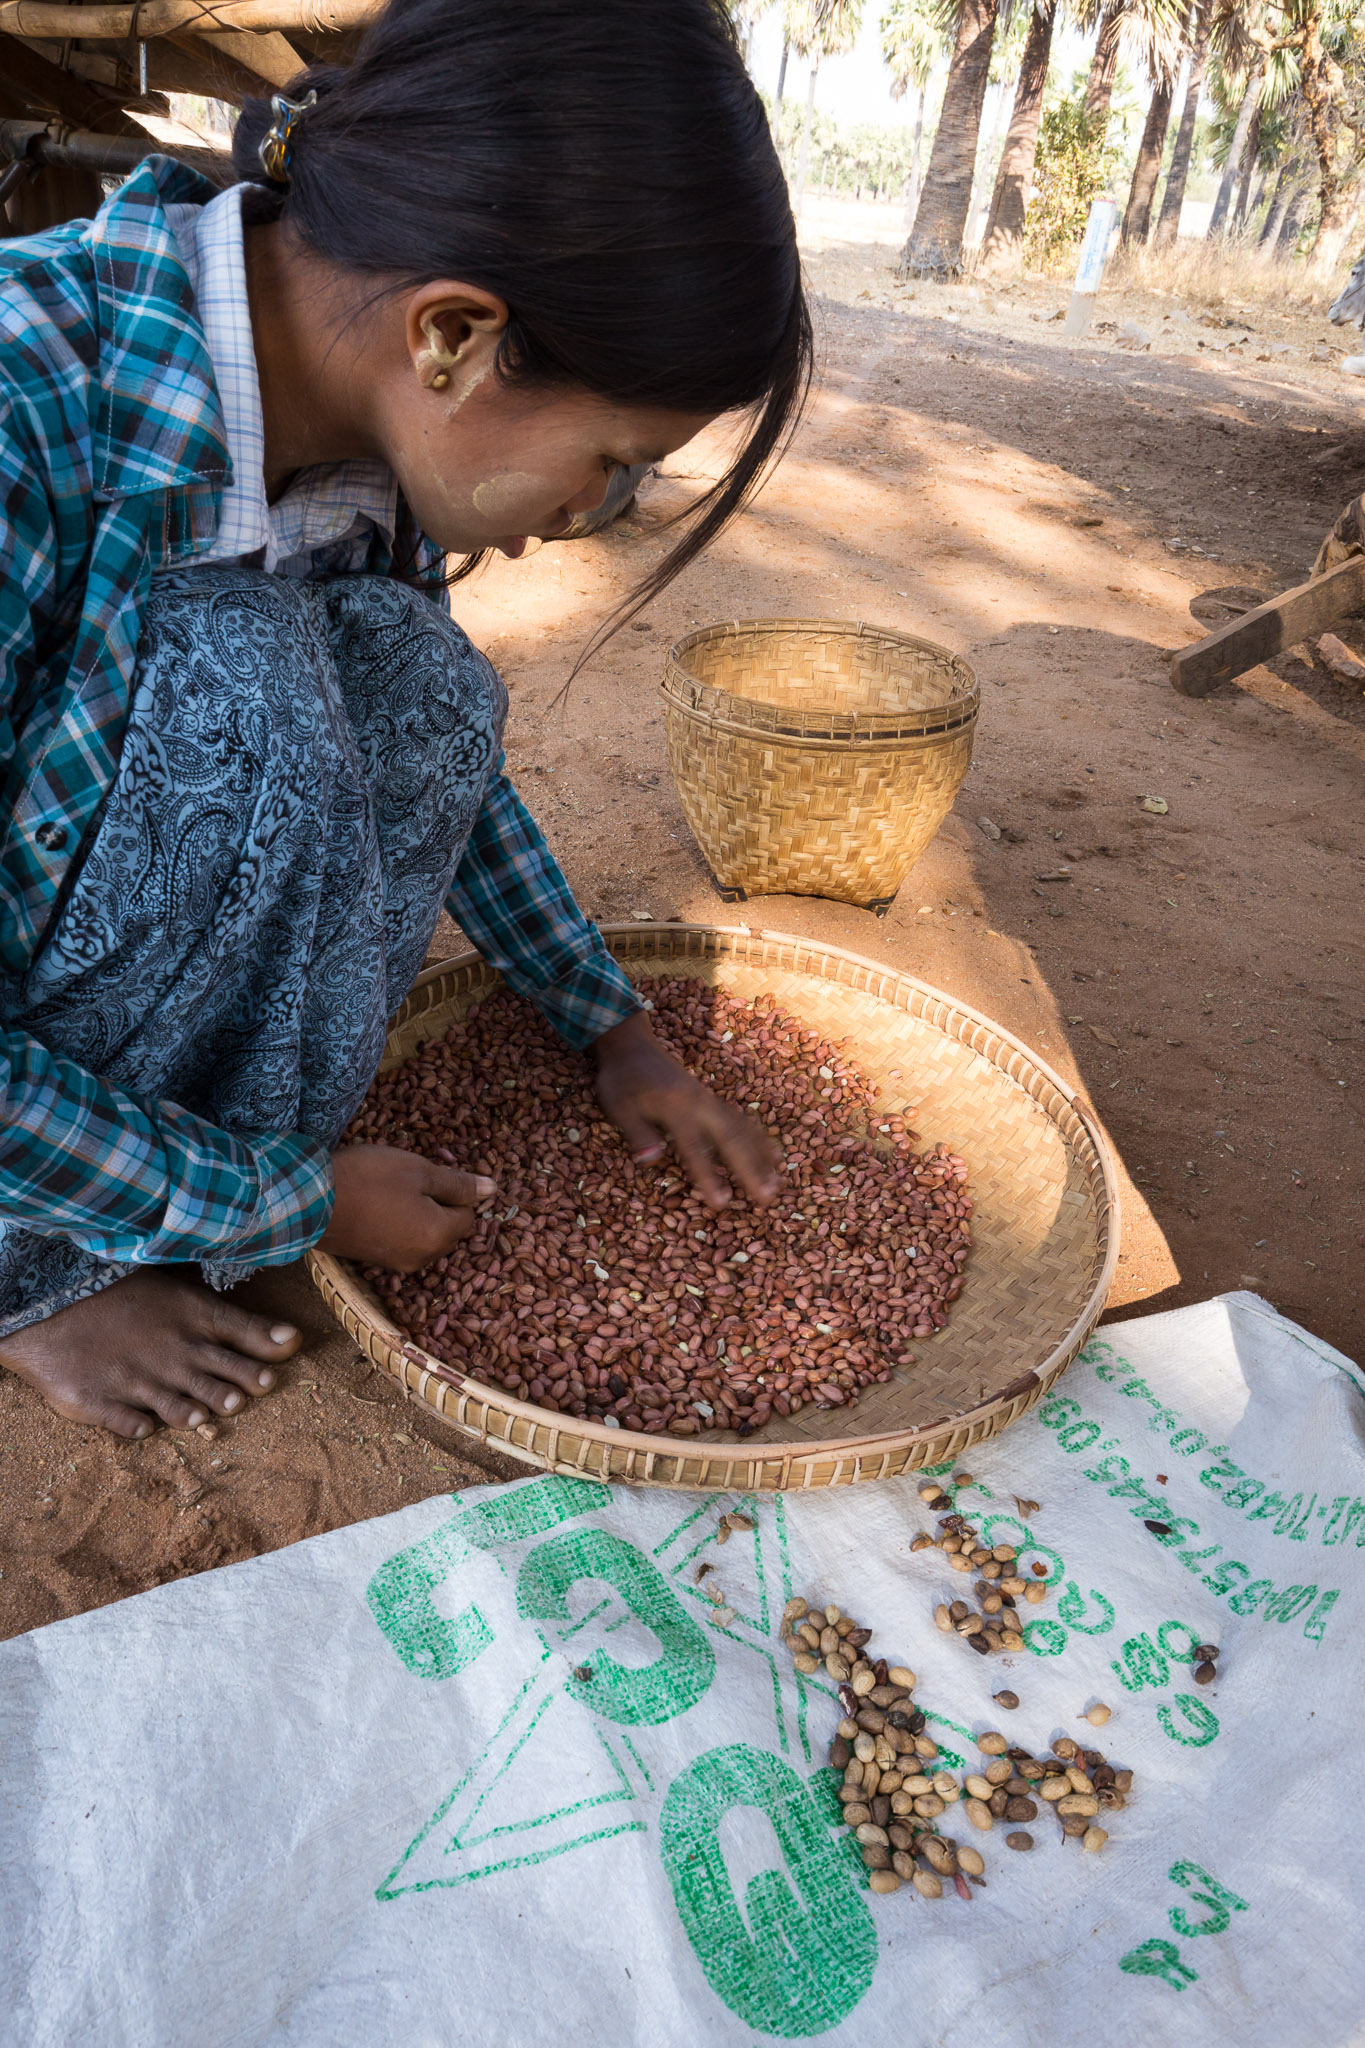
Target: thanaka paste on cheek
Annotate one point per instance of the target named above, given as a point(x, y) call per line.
point(513, 491)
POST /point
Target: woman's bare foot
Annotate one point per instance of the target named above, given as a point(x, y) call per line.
point(157, 1346)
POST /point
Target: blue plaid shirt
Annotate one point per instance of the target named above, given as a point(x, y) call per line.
point(113, 460)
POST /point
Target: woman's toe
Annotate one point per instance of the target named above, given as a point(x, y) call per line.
point(260, 1338)
point(244, 1375)
point(120, 1419)
point(199, 1384)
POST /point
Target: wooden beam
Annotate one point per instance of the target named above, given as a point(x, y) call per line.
point(28, 80)
point(51, 18)
point(182, 63)
point(112, 156)
point(1298, 614)
point(266, 53)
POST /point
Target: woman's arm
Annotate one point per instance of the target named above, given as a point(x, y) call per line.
point(129, 1179)
point(510, 896)
point(132, 1179)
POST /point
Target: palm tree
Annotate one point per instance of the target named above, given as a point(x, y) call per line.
point(1247, 110)
point(817, 29)
point(746, 15)
point(1325, 38)
point(1104, 64)
point(1137, 218)
point(912, 44)
point(1168, 221)
point(1293, 175)
point(1007, 56)
point(934, 248)
point(1151, 30)
point(1003, 242)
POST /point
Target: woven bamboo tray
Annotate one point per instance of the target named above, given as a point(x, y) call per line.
point(814, 757)
point(1045, 1229)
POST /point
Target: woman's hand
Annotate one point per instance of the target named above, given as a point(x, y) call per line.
point(650, 1096)
point(395, 1208)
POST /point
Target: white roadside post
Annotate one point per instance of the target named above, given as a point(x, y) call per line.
point(1094, 249)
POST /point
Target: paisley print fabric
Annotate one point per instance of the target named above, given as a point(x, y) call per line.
point(302, 768)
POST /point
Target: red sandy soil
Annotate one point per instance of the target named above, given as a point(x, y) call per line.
point(967, 475)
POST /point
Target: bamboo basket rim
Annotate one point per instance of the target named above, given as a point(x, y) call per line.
point(727, 711)
point(335, 1278)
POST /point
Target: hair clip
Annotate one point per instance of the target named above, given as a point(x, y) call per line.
point(276, 152)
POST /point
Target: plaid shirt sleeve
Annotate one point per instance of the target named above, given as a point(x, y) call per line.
point(510, 897)
point(126, 1178)
point(130, 1179)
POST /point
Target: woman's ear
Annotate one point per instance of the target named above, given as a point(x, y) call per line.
point(453, 327)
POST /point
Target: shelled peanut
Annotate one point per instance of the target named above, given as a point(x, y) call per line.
point(604, 1289)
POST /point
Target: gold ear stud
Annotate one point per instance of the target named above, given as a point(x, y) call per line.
point(440, 380)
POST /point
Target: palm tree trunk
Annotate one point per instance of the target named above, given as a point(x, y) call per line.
point(1237, 150)
point(1291, 177)
point(1336, 199)
point(1336, 226)
point(993, 119)
point(1253, 150)
point(804, 159)
point(1168, 221)
point(1137, 220)
point(1295, 214)
point(935, 245)
point(1099, 90)
point(1004, 237)
point(912, 195)
point(782, 73)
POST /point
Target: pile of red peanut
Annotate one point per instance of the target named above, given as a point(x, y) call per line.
point(595, 1287)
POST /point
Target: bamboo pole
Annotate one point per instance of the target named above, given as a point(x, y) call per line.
point(50, 19)
point(115, 155)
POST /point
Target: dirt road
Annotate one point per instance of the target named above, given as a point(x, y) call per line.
point(1052, 510)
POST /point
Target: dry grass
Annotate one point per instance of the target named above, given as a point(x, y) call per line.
point(1222, 277)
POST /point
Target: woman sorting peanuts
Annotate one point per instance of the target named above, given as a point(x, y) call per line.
point(249, 755)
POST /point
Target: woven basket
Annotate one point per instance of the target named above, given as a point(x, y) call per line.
point(816, 758)
point(1045, 1229)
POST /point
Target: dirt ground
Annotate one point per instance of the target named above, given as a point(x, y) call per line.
point(1056, 511)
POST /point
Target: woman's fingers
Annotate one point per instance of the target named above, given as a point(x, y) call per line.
point(450, 1226)
point(399, 1209)
point(456, 1190)
point(717, 1141)
point(640, 1132)
point(744, 1148)
point(701, 1162)
point(719, 1145)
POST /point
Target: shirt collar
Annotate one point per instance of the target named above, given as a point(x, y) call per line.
point(158, 421)
point(324, 504)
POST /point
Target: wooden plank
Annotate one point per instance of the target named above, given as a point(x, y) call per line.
point(1298, 614)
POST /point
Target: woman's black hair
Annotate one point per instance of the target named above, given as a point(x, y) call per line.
point(605, 167)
